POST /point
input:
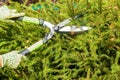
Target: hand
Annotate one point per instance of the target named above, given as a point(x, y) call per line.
point(6, 13)
point(11, 59)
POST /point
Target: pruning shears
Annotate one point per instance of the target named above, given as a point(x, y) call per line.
point(60, 27)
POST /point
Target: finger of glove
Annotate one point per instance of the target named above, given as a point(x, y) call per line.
point(13, 11)
point(4, 8)
point(12, 52)
point(9, 54)
point(16, 52)
point(12, 15)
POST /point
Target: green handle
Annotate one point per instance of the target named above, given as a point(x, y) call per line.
point(31, 20)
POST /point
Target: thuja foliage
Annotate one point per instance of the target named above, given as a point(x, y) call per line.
point(92, 55)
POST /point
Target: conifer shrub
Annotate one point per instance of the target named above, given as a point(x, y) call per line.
point(92, 55)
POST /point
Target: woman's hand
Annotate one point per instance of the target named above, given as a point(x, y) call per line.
point(12, 59)
point(6, 13)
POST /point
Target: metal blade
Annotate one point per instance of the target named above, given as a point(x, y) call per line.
point(74, 29)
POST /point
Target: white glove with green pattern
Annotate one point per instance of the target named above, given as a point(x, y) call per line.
point(6, 13)
point(12, 59)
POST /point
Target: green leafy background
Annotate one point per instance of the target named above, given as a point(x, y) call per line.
point(92, 55)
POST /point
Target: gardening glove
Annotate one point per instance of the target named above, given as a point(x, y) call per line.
point(6, 13)
point(12, 59)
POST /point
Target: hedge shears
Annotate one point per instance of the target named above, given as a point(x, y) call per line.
point(60, 27)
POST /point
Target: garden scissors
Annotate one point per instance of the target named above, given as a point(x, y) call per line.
point(60, 27)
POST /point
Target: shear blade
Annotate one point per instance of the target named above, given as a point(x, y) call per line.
point(48, 24)
point(74, 29)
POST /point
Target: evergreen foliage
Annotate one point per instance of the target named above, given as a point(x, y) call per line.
point(93, 55)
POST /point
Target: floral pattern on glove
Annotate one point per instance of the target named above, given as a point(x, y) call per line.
point(12, 59)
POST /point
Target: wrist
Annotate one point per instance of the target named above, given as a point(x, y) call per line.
point(1, 4)
point(1, 61)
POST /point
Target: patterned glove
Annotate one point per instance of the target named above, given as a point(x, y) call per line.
point(6, 13)
point(12, 59)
